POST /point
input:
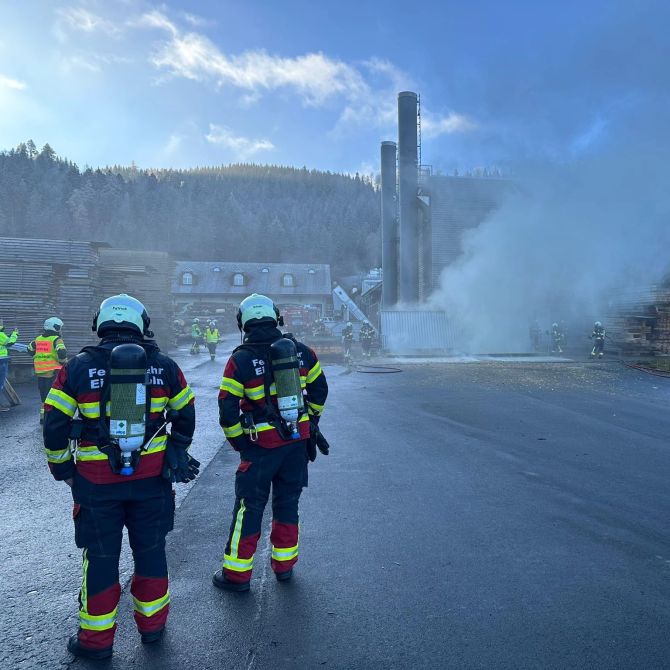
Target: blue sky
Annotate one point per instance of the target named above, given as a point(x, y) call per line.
point(181, 84)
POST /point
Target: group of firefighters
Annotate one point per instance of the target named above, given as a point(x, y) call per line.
point(559, 338)
point(367, 336)
point(119, 419)
point(210, 338)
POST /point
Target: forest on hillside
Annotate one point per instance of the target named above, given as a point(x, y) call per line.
point(240, 212)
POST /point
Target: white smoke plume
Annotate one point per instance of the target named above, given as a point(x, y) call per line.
point(589, 214)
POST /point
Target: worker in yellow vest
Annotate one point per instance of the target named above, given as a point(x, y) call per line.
point(49, 355)
point(212, 338)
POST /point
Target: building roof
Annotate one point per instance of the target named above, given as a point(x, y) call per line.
point(212, 278)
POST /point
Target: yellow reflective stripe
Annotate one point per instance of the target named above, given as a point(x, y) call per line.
point(238, 564)
point(158, 404)
point(59, 456)
point(232, 561)
point(304, 417)
point(97, 621)
point(316, 409)
point(91, 410)
point(259, 427)
point(61, 401)
point(90, 454)
point(232, 386)
point(255, 393)
point(233, 431)
point(152, 607)
point(284, 553)
point(156, 445)
point(182, 398)
point(83, 593)
point(314, 372)
point(60, 345)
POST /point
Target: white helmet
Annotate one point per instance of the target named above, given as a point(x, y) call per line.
point(257, 308)
point(122, 312)
point(598, 324)
point(54, 323)
point(348, 323)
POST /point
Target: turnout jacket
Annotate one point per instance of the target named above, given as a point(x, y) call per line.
point(79, 387)
point(243, 391)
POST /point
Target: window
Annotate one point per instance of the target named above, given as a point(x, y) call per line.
point(265, 270)
point(186, 278)
point(287, 280)
point(216, 269)
point(311, 271)
point(238, 279)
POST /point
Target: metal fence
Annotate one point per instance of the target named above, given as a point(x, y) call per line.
point(418, 332)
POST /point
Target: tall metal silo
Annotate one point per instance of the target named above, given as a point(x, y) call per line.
point(389, 225)
point(407, 193)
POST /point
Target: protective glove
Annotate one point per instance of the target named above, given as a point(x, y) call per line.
point(178, 465)
point(316, 441)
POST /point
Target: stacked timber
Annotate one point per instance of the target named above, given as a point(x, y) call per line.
point(639, 321)
point(44, 278)
point(147, 276)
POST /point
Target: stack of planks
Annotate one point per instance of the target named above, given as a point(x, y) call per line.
point(43, 278)
point(147, 276)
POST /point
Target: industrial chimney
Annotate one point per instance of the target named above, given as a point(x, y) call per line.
point(408, 184)
point(389, 225)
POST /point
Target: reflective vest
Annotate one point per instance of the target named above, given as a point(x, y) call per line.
point(212, 335)
point(195, 330)
point(6, 340)
point(46, 355)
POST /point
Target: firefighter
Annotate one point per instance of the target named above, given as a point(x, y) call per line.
point(5, 342)
point(108, 495)
point(367, 335)
point(598, 335)
point(270, 457)
point(212, 338)
point(49, 355)
point(556, 339)
point(196, 336)
point(536, 336)
point(347, 341)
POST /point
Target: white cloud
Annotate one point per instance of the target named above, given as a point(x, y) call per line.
point(78, 19)
point(13, 84)
point(242, 147)
point(434, 126)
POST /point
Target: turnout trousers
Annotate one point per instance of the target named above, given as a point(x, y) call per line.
point(44, 386)
point(284, 470)
point(146, 508)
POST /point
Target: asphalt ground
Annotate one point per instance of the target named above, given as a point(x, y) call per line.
point(470, 515)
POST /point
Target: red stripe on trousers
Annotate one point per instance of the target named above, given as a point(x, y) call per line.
point(101, 603)
point(283, 536)
point(147, 589)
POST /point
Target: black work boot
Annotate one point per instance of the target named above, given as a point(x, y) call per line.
point(153, 636)
point(221, 582)
point(284, 576)
point(75, 647)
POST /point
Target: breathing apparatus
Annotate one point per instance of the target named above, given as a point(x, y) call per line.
point(286, 374)
point(128, 400)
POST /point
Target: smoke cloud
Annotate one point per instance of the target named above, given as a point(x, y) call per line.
point(588, 210)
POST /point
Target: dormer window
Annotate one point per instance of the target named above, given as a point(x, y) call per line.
point(311, 271)
point(287, 280)
point(238, 279)
point(265, 270)
point(187, 279)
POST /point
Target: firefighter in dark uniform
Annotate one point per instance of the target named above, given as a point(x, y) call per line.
point(108, 497)
point(347, 341)
point(598, 335)
point(367, 335)
point(269, 457)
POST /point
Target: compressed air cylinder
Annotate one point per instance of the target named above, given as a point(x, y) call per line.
point(286, 374)
point(128, 398)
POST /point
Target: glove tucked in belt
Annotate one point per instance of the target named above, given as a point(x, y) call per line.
point(179, 465)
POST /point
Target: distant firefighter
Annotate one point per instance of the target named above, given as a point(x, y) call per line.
point(598, 335)
point(49, 355)
point(196, 336)
point(347, 340)
point(556, 339)
point(5, 341)
point(367, 335)
point(212, 338)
